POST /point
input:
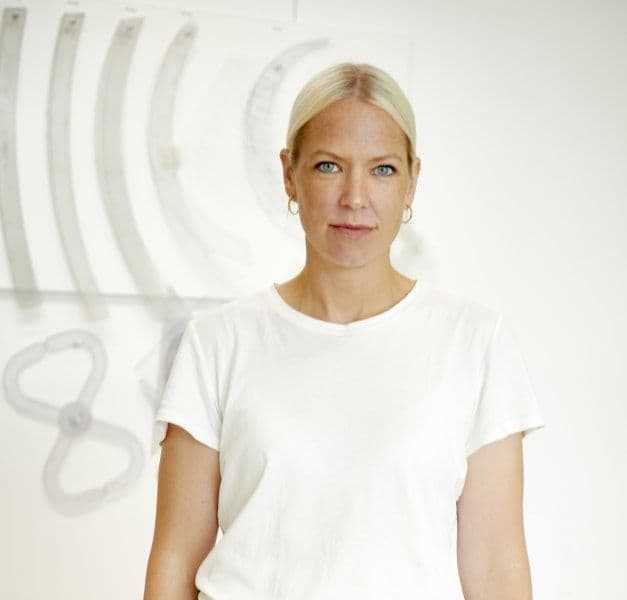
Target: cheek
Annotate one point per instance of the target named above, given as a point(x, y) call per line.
point(321, 190)
point(389, 204)
point(388, 218)
point(315, 213)
point(317, 201)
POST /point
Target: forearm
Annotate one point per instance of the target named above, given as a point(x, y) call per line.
point(168, 579)
point(501, 584)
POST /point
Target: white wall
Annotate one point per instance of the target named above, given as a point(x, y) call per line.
point(520, 205)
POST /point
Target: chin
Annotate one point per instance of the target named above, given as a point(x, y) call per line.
point(349, 261)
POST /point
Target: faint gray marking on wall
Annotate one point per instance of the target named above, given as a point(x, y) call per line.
point(60, 164)
point(16, 245)
point(153, 368)
point(110, 166)
point(74, 421)
point(164, 162)
point(257, 142)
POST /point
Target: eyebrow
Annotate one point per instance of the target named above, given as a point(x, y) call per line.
point(376, 159)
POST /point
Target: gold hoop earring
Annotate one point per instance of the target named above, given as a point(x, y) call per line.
point(411, 214)
point(289, 206)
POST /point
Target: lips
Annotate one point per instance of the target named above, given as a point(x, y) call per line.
point(351, 226)
point(351, 231)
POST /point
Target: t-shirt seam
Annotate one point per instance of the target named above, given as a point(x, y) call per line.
point(324, 330)
point(164, 413)
point(485, 362)
point(495, 428)
point(199, 350)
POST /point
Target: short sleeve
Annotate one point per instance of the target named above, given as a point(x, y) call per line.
point(188, 398)
point(506, 401)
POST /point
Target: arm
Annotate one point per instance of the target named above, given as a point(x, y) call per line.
point(491, 549)
point(186, 523)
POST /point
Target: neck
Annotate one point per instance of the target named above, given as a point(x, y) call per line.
point(351, 295)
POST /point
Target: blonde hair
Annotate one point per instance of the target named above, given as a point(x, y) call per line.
point(361, 80)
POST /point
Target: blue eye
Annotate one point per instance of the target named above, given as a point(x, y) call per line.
point(324, 164)
point(388, 173)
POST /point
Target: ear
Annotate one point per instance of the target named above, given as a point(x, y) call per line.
point(288, 173)
point(413, 173)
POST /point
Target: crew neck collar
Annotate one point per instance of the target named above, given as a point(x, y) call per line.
point(320, 325)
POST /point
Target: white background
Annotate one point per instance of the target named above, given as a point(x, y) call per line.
point(520, 205)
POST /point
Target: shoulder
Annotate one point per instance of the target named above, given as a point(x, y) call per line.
point(229, 314)
point(455, 305)
point(453, 321)
point(455, 332)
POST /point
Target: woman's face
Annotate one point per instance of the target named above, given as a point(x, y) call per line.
point(351, 170)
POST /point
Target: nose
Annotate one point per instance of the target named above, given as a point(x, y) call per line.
point(355, 192)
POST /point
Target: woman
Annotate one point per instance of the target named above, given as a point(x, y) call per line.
point(355, 433)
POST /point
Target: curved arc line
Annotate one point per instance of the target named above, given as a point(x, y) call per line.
point(110, 166)
point(15, 242)
point(60, 163)
point(257, 121)
point(179, 215)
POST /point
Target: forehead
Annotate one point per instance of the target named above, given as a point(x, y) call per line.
point(353, 123)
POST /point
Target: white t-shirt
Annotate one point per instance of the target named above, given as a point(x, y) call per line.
point(343, 447)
